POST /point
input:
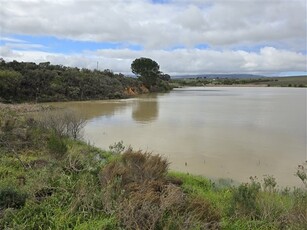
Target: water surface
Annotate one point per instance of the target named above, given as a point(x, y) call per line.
point(218, 132)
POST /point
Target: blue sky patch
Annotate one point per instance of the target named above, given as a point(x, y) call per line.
point(202, 46)
point(160, 1)
point(57, 45)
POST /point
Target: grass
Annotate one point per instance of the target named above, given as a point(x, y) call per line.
point(289, 81)
point(84, 187)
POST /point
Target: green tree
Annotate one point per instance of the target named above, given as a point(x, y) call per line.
point(165, 77)
point(9, 84)
point(147, 70)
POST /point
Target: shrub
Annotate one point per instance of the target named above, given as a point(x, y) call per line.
point(141, 208)
point(57, 145)
point(117, 147)
point(139, 192)
point(11, 198)
point(269, 183)
point(63, 123)
point(302, 174)
point(244, 200)
point(144, 166)
point(135, 167)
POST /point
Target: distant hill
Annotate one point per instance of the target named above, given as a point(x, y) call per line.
point(237, 76)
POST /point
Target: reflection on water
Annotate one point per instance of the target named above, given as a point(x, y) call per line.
point(93, 109)
point(217, 132)
point(146, 110)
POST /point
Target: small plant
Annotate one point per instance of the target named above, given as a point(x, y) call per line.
point(302, 174)
point(269, 183)
point(117, 147)
point(56, 145)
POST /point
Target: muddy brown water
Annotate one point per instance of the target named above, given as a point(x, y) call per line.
point(222, 132)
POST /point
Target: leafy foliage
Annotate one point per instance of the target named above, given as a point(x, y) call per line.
point(57, 145)
point(117, 147)
point(145, 66)
point(27, 81)
point(244, 200)
point(148, 72)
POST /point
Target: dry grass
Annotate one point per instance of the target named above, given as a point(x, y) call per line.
point(24, 108)
point(144, 166)
point(138, 192)
point(135, 167)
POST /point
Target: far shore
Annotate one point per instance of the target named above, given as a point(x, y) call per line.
point(237, 85)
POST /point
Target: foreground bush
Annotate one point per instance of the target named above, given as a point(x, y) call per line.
point(244, 200)
point(11, 198)
point(137, 189)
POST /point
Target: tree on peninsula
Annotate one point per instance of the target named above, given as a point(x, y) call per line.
point(147, 70)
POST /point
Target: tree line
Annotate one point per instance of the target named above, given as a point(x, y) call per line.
point(28, 81)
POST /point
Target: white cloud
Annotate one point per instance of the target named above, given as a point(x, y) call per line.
point(227, 27)
point(181, 61)
point(160, 25)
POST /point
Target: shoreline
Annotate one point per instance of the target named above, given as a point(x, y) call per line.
point(238, 85)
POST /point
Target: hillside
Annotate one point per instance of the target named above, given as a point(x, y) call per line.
point(31, 82)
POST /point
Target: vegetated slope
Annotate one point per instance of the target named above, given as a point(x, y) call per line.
point(300, 81)
point(27, 81)
point(51, 181)
point(294, 81)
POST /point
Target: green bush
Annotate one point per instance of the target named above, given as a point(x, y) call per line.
point(244, 201)
point(56, 145)
point(11, 198)
point(269, 183)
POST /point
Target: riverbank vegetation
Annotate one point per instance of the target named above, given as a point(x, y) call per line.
point(296, 81)
point(52, 180)
point(29, 82)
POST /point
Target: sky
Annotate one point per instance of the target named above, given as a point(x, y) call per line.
point(266, 37)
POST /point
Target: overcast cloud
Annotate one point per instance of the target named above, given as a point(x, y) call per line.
point(196, 36)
